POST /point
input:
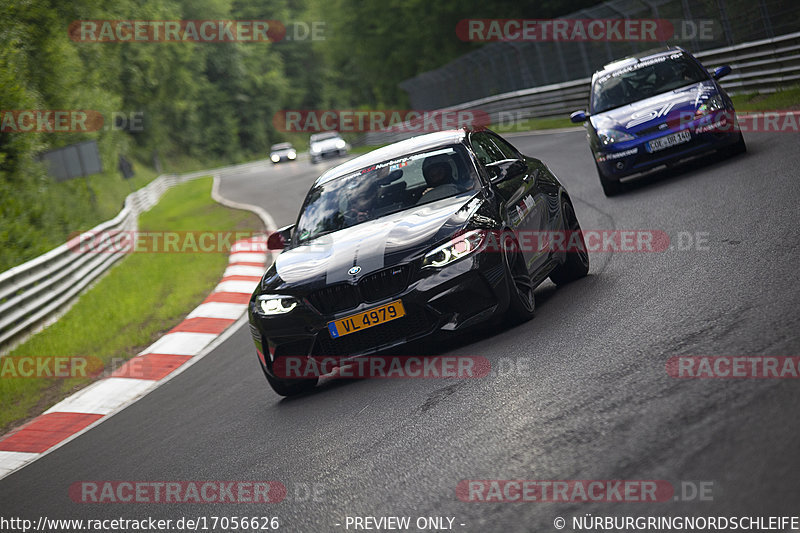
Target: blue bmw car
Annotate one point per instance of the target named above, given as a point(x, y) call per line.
point(656, 108)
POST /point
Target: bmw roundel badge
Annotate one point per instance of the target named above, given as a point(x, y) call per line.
point(354, 270)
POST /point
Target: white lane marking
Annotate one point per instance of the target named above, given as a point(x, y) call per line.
point(104, 396)
point(246, 257)
point(218, 310)
point(246, 287)
point(181, 343)
point(10, 461)
point(243, 270)
point(13, 461)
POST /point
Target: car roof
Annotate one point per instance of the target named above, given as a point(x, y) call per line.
point(324, 135)
point(636, 58)
point(399, 149)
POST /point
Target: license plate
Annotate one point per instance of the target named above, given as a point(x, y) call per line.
point(669, 140)
point(366, 319)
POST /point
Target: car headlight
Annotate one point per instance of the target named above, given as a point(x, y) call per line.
point(613, 136)
point(458, 248)
point(292, 155)
point(340, 144)
point(275, 304)
point(714, 103)
point(314, 150)
point(275, 158)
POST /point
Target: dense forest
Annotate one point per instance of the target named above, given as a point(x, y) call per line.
point(208, 101)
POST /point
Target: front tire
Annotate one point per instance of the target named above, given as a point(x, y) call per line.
point(521, 304)
point(611, 187)
point(739, 147)
point(576, 262)
point(291, 387)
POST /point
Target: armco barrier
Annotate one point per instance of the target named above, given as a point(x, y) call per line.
point(38, 292)
point(764, 66)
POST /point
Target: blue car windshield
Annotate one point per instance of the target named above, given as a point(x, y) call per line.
point(385, 188)
point(644, 79)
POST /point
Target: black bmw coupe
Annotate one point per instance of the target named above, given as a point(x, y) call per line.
point(411, 239)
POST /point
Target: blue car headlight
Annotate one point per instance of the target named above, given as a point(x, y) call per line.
point(714, 103)
point(456, 249)
point(275, 304)
point(609, 137)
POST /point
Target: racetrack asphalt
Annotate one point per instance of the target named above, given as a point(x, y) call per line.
point(580, 392)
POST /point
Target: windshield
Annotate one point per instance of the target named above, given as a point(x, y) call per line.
point(644, 79)
point(281, 146)
point(323, 136)
point(385, 188)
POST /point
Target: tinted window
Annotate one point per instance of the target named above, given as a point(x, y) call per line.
point(508, 151)
point(385, 188)
point(486, 151)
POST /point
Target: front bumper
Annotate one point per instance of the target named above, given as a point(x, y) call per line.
point(452, 298)
point(329, 153)
point(632, 157)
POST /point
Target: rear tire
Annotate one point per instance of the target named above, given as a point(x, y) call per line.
point(521, 302)
point(610, 186)
point(576, 263)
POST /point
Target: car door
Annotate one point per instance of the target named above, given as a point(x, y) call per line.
point(525, 209)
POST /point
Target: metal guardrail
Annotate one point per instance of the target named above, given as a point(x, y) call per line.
point(764, 66)
point(36, 293)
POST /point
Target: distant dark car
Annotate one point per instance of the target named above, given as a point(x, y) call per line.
point(394, 245)
point(326, 144)
point(656, 108)
point(282, 152)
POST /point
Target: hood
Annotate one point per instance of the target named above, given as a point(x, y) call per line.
point(669, 107)
point(373, 245)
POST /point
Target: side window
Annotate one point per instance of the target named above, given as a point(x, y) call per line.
point(508, 151)
point(485, 149)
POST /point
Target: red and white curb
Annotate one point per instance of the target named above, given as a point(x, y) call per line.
point(207, 326)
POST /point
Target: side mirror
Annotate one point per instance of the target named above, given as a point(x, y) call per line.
point(721, 72)
point(278, 240)
point(578, 116)
point(505, 169)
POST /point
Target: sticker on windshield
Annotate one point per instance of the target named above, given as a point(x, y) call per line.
point(395, 164)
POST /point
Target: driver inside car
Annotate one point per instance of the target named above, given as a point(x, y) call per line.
point(438, 175)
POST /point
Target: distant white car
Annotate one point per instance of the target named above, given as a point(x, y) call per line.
point(327, 144)
point(279, 152)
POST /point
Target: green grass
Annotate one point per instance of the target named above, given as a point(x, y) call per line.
point(778, 101)
point(142, 297)
point(39, 214)
point(531, 124)
point(358, 150)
